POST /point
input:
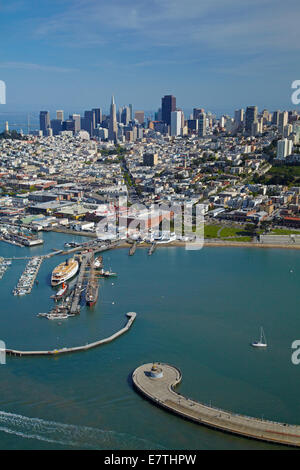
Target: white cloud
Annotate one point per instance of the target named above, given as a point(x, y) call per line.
point(220, 24)
point(30, 66)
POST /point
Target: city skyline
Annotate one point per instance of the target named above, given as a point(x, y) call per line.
point(221, 56)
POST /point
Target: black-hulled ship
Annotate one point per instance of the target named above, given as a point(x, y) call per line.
point(92, 288)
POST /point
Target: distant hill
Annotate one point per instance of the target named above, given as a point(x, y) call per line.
point(12, 135)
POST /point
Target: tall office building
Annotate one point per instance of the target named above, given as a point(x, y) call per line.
point(77, 122)
point(68, 125)
point(251, 117)
point(192, 126)
point(113, 127)
point(168, 105)
point(275, 118)
point(139, 116)
point(131, 112)
point(60, 115)
point(98, 116)
point(266, 116)
point(202, 124)
point(197, 112)
point(239, 116)
point(176, 120)
point(282, 121)
point(44, 122)
point(56, 126)
point(125, 115)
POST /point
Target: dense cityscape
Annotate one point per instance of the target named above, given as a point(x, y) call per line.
point(149, 228)
point(71, 174)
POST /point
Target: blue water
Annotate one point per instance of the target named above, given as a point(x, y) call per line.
point(198, 310)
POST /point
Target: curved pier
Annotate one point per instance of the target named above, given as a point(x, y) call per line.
point(55, 352)
point(157, 382)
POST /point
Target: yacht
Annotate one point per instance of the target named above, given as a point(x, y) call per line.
point(262, 343)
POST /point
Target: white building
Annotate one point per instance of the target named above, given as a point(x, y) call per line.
point(284, 148)
point(176, 120)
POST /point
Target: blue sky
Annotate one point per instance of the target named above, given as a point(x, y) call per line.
point(220, 54)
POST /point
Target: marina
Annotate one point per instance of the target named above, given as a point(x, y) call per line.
point(4, 265)
point(26, 281)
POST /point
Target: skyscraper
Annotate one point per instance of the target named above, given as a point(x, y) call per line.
point(139, 116)
point(176, 119)
point(131, 113)
point(239, 116)
point(56, 126)
point(44, 122)
point(197, 112)
point(77, 122)
point(282, 121)
point(168, 105)
point(275, 118)
point(251, 117)
point(98, 116)
point(113, 127)
point(125, 115)
point(60, 115)
point(202, 124)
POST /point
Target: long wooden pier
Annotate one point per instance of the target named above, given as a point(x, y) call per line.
point(131, 317)
point(157, 383)
point(75, 307)
point(152, 249)
point(132, 249)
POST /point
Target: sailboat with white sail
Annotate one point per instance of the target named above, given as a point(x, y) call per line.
point(262, 343)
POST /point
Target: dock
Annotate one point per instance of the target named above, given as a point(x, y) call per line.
point(152, 249)
point(132, 249)
point(26, 281)
point(75, 302)
point(156, 382)
point(55, 352)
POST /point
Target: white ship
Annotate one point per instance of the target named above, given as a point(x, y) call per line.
point(64, 271)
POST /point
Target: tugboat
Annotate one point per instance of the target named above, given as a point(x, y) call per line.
point(98, 263)
point(61, 293)
point(104, 273)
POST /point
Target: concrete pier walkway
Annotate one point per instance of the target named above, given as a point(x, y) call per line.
point(157, 382)
point(131, 317)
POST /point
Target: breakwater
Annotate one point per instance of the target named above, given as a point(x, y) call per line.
point(156, 382)
point(131, 317)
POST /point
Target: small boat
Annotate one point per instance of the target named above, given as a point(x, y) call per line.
point(262, 343)
point(98, 262)
point(61, 292)
point(104, 273)
point(61, 316)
